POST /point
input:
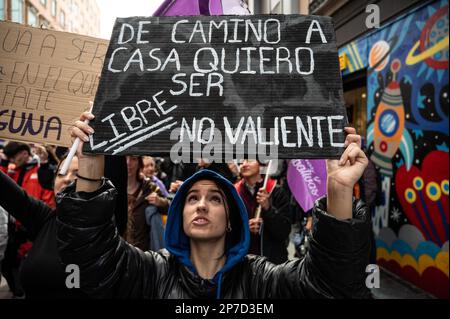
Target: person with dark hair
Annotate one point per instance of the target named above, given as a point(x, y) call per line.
point(207, 239)
point(27, 171)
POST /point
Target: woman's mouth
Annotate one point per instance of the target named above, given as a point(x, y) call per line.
point(200, 221)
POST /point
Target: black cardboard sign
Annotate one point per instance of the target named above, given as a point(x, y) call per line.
point(226, 84)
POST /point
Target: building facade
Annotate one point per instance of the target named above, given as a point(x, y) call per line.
point(278, 6)
point(403, 68)
point(394, 62)
point(75, 16)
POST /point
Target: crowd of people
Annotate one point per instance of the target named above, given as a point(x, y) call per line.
point(146, 227)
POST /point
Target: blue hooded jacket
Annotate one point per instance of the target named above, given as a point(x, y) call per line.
point(177, 243)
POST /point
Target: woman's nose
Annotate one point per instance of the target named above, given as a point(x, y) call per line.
point(202, 204)
point(68, 178)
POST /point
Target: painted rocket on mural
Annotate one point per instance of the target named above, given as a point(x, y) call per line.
point(388, 133)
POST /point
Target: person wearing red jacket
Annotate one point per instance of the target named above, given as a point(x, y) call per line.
point(27, 171)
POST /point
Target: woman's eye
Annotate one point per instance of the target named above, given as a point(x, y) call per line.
point(216, 199)
point(192, 198)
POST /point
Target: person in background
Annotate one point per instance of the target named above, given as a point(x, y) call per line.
point(144, 226)
point(270, 232)
point(235, 170)
point(47, 161)
point(24, 168)
point(176, 172)
point(160, 169)
point(158, 207)
point(149, 171)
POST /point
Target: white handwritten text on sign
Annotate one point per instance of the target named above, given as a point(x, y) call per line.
point(270, 80)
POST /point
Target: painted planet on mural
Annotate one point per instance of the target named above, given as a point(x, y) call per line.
point(432, 46)
point(379, 54)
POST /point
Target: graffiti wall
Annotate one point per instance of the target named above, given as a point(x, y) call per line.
point(407, 135)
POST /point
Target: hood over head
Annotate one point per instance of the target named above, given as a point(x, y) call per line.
point(237, 241)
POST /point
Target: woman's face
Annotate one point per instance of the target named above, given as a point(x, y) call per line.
point(62, 181)
point(204, 215)
point(149, 166)
point(133, 165)
point(249, 168)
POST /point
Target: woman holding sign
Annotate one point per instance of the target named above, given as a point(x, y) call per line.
point(207, 238)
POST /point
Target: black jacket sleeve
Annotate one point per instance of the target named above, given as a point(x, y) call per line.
point(30, 212)
point(109, 267)
point(334, 267)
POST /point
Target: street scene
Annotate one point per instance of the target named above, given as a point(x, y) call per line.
point(224, 149)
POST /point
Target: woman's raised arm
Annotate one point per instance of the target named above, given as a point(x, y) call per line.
point(90, 167)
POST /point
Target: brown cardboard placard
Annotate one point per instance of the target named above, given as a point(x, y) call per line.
point(47, 79)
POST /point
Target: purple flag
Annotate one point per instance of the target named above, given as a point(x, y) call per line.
point(307, 180)
point(201, 7)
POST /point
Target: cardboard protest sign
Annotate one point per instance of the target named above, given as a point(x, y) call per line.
point(221, 84)
point(47, 79)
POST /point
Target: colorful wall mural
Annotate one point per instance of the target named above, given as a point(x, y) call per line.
point(407, 135)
